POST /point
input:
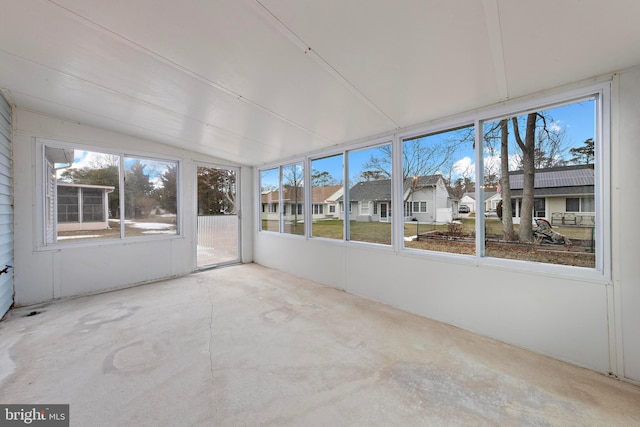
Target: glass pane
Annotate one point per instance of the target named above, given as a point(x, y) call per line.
point(83, 187)
point(370, 185)
point(217, 216)
point(573, 204)
point(440, 191)
point(150, 192)
point(546, 161)
point(270, 196)
point(326, 192)
point(587, 204)
point(293, 198)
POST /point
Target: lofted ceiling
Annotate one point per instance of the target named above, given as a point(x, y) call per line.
point(255, 81)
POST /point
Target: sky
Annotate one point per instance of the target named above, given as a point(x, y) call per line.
point(577, 120)
point(153, 168)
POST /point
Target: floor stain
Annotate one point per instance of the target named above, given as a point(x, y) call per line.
point(278, 316)
point(113, 312)
point(138, 356)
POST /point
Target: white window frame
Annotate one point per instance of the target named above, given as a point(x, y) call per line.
point(42, 216)
point(364, 207)
point(273, 205)
point(420, 209)
point(580, 203)
point(602, 93)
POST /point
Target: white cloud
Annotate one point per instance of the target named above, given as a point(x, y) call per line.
point(555, 126)
point(464, 167)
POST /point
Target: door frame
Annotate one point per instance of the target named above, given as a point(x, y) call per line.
point(238, 259)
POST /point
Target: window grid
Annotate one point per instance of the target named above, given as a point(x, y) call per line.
point(540, 206)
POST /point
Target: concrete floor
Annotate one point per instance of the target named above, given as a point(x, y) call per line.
point(245, 346)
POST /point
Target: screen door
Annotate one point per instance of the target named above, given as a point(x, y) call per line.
point(218, 220)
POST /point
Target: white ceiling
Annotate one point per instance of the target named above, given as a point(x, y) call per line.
point(255, 81)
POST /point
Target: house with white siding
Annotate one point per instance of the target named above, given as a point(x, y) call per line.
point(426, 199)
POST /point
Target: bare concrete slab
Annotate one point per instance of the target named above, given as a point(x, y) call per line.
point(245, 345)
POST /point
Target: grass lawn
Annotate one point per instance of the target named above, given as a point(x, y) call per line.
point(430, 239)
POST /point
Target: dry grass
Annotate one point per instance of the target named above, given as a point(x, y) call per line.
point(433, 237)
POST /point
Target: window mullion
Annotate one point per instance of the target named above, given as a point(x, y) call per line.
point(122, 195)
point(480, 221)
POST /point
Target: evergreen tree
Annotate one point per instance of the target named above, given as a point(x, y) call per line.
point(138, 190)
point(584, 155)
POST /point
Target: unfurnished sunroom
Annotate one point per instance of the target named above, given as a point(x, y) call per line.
point(199, 135)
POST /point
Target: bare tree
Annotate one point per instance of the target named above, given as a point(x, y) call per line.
point(216, 191)
point(527, 147)
point(506, 217)
point(420, 157)
point(293, 184)
point(550, 146)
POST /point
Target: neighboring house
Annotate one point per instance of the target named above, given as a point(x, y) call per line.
point(469, 199)
point(292, 204)
point(269, 205)
point(325, 201)
point(72, 207)
point(370, 201)
point(82, 206)
point(562, 195)
point(491, 200)
point(426, 199)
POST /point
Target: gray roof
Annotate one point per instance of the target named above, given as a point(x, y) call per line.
point(423, 181)
point(371, 190)
point(567, 176)
point(585, 190)
point(381, 189)
point(560, 181)
point(489, 194)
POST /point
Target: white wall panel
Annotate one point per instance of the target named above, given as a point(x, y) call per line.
point(626, 215)
point(566, 319)
point(44, 274)
point(595, 324)
point(313, 259)
point(248, 207)
point(104, 267)
point(562, 318)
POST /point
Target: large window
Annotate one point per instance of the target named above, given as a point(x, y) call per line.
point(82, 195)
point(544, 159)
point(270, 199)
point(522, 185)
point(439, 174)
point(282, 199)
point(293, 198)
point(370, 184)
point(326, 187)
